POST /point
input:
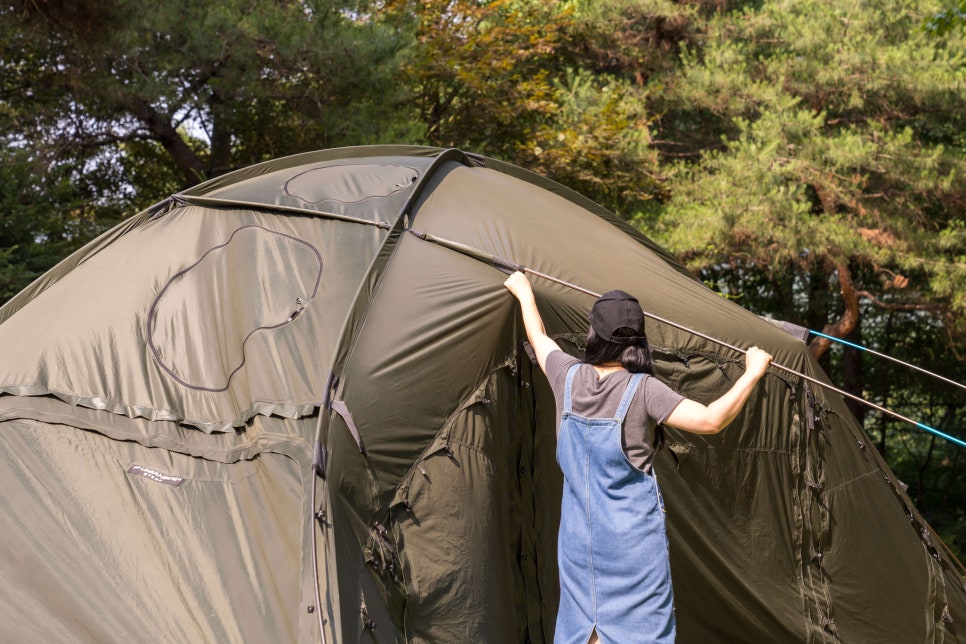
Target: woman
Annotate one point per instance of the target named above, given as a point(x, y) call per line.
point(615, 578)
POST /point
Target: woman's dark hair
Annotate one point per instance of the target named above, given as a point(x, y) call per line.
point(636, 357)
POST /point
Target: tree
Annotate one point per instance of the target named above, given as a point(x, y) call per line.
point(45, 213)
point(841, 156)
point(816, 168)
point(109, 106)
point(214, 85)
point(512, 79)
point(481, 72)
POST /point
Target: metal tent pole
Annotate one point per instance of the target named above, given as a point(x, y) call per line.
point(781, 367)
point(508, 267)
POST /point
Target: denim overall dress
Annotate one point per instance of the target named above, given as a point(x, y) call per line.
point(612, 550)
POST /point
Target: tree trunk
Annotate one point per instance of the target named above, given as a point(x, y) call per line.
point(853, 375)
point(816, 316)
point(162, 131)
point(850, 317)
point(220, 137)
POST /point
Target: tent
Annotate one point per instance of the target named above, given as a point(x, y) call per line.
point(294, 404)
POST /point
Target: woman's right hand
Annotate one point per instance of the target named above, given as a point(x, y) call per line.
point(756, 362)
point(542, 344)
point(692, 416)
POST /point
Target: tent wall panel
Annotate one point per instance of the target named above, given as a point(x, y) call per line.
point(181, 549)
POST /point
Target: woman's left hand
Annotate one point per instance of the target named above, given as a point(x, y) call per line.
point(756, 362)
point(519, 285)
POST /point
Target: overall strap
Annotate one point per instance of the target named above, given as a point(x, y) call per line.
point(628, 396)
point(570, 378)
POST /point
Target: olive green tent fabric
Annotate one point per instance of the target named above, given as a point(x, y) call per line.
point(294, 404)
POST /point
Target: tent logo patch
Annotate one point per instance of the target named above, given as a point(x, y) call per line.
point(154, 475)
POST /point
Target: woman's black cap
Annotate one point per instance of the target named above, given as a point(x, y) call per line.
point(617, 310)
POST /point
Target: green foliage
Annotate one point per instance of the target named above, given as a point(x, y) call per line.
point(637, 41)
point(597, 141)
point(507, 79)
point(951, 18)
point(823, 157)
point(45, 214)
point(109, 106)
point(254, 80)
point(480, 70)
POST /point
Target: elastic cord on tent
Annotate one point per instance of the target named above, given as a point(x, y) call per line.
point(887, 357)
point(508, 266)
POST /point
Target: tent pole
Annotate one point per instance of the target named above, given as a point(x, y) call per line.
point(820, 383)
point(887, 357)
point(508, 267)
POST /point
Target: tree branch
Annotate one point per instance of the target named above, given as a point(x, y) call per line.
point(850, 318)
point(161, 129)
point(901, 306)
point(98, 141)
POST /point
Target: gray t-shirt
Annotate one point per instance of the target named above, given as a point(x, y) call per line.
point(593, 397)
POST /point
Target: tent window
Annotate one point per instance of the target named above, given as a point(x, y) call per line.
point(257, 281)
point(349, 184)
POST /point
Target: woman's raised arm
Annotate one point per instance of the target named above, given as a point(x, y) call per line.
point(519, 285)
point(692, 416)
